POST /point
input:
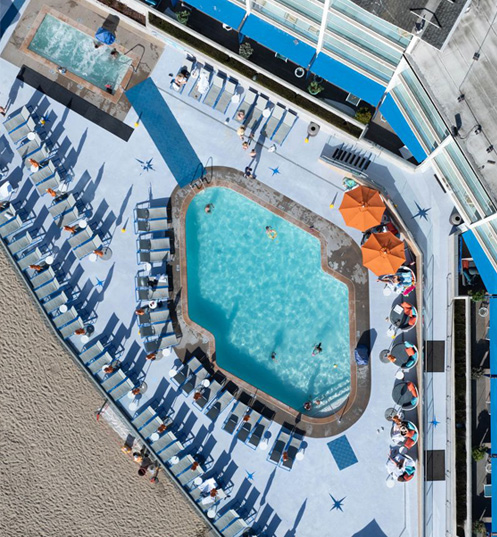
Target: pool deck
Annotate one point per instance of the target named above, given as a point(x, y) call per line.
point(109, 179)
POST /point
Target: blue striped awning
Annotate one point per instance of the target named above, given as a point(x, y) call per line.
point(222, 10)
point(493, 404)
point(275, 39)
point(399, 124)
point(348, 79)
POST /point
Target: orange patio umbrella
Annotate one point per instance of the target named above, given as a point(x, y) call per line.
point(362, 208)
point(383, 253)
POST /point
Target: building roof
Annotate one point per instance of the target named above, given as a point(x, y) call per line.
point(443, 13)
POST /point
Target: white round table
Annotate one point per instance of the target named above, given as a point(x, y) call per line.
point(174, 460)
point(172, 373)
point(198, 481)
point(236, 98)
point(154, 437)
point(166, 352)
point(92, 258)
point(63, 308)
point(143, 387)
point(148, 267)
point(84, 338)
point(82, 224)
point(152, 304)
point(390, 481)
point(206, 383)
point(263, 445)
point(266, 112)
point(211, 513)
point(63, 187)
point(400, 375)
point(300, 455)
point(49, 259)
point(31, 136)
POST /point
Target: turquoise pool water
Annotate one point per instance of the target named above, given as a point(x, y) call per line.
point(68, 47)
point(258, 296)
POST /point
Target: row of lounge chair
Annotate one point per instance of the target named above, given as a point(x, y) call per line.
point(47, 177)
point(285, 449)
point(153, 221)
point(221, 91)
point(156, 327)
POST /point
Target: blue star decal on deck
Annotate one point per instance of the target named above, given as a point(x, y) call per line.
point(337, 504)
point(250, 476)
point(275, 171)
point(146, 165)
point(434, 422)
point(100, 283)
point(422, 213)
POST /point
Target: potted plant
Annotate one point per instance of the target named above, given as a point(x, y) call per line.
point(314, 87)
point(479, 453)
point(183, 16)
point(479, 527)
point(477, 296)
point(245, 50)
point(363, 115)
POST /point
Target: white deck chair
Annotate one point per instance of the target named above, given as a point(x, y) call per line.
point(11, 227)
point(55, 302)
point(214, 90)
point(235, 528)
point(144, 417)
point(246, 105)
point(204, 75)
point(157, 256)
point(68, 218)
point(22, 131)
point(256, 114)
point(154, 244)
point(41, 278)
point(171, 451)
point(69, 329)
point(28, 148)
point(150, 226)
point(182, 465)
point(225, 99)
point(20, 243)
point(62, 206)
point(41, 154)
point(47, 289)
point(81, 237)
point(273, 122)
point(285, 127)
point(165, 440)
point(52, 182)
point(151, 427)
point(88, 247)
point(225, 520)
point(100, 363)
point(65, 318)
point(91, 352)
point(43, 173)
point(16, 120)
point(30, 258)
point(113, 380)
point(122, 389)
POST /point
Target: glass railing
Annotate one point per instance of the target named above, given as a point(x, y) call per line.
point(487, 233)
point(390, 31)
point(357, 58)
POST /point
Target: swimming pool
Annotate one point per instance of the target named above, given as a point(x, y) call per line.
point(68, 47)
point(258, 295)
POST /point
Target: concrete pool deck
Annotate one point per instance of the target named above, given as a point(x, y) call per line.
point(109, 176)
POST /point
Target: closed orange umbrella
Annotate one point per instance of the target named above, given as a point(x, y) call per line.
point(362, 208)
point(383, 253)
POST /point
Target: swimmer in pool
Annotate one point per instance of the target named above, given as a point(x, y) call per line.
point(208, 208)
point(273, 356)
point(307, 405)
point(317, 349)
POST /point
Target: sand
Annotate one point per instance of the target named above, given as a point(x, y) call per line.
point(62, 473)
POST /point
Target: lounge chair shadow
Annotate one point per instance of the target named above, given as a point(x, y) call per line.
point(124, 204)
point(298, 518)
point(268, 486)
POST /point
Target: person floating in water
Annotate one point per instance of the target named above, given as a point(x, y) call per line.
point(270, 232)
point(317, 349)
point(208, 208)
point(307, 405)
point(273, 356)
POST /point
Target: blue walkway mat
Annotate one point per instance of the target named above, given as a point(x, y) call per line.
point(342, 452)
point(165, 131)
point(10, 15)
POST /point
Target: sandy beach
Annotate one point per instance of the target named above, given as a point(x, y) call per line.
point(62, 473)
